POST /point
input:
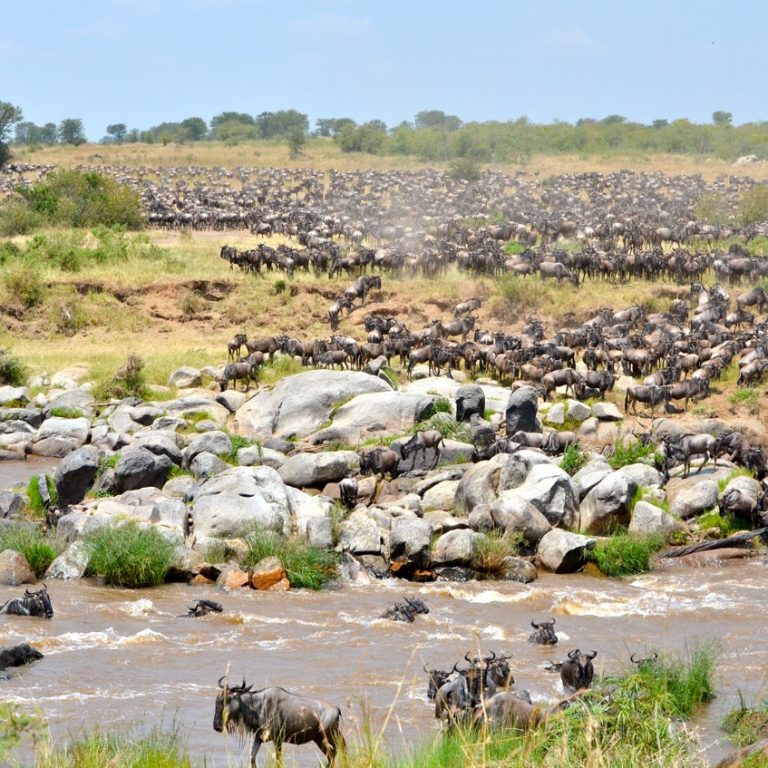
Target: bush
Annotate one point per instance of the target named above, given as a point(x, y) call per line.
point(491, 553)
point(238, 442)
point(625, 554)
point(128, 381)
point(746, 726)
point(39, 549)
point(158, 749)
point(24, 284)
point(754, 205)
point(306, 566)
point(464, 168)
point(573, 459)
point(129, 556)
point(17, 218)
point(84, 199)
point(33, 493)
point(726, 524)
point(629, 453)
point(12, 370)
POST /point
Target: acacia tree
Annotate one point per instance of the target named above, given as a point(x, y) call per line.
point(722, 118)
point(9, 116)
point(71, 131)
point(117, 132)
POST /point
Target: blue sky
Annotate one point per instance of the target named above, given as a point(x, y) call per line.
point(142, 62)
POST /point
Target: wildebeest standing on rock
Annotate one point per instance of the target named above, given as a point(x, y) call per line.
point(274, 714)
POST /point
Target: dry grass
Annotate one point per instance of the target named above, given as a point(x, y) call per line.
point(323, 154)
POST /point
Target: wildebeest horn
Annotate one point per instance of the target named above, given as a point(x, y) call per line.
point(492, 657)
point(551, 622)
point(574, 654)
point(592, 655)
point(534, 624)
point(634, 660)
point(221, 685)
point(466, 658)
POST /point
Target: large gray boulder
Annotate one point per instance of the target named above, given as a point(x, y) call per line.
point(215, 442)
point(79, 402)
point(198, 404)
point(307, 469)
point(300, 405)
point(71, 564)
point(692, 496)
point(607, 506)
point(185, 377)
point(376, 414)
point(140, 468)
point(562, 551)
point(75, 474)
point(514, 513)
point(160, 442)
point(549, 489)
point(643, 475)
point(16, 395)
point(440, 496)
point(454, 548)
point(240, 498)
point(647, 519)
point(521, 411)
point(360, 535)
point(409, 542)
point(589, 476)
point(57, 436)
point(14, 569)
point(470, 401)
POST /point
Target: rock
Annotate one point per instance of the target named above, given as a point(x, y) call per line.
point(145, 414)
point(644, 475)
point(233, 578)
point(231, 399)
point(442, 521)
point(521, 411)
point(563, 552)
point(605, 411)
point(648, 518)
point(454, 548)
point(691, 496)
point(549, 489)
point(441, 496)
point(483, 432)
point(15, 395)
point(376, 414)
point(207, 465)
point(14, 569)
point(11, 503)
point(250, 455)
point(267, 573)
point(57, 436)
point(140, 468)
point(663, 427)
point(514, 513)
point(31, 416)
point(409, 542)
point(747, 160)
point(300, 405)
point(577, 411)
point(235, 500)
point(185, 377)
point(70, 564)
point(217, 443)
point(75, 474)
point(319, 532)
point(470, 401)
point(589, 476)
point(198, 405)
point(360, 535)
point(480, 518)
point(520, 570)
point(555, 414)
point(313, 469)
point(483, 481)
point(606, 508)
point(159, 442)
point(375, 366)
point(78, 402)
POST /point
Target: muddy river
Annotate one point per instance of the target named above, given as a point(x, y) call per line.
point(119, 657)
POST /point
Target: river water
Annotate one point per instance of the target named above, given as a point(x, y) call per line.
point(116, 657)
point(120, 658)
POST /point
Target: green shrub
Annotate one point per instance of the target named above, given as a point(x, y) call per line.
point(446, 425)
point(629, 452)
point(513, 247)
point(33, 493)
point(305, 566)
point(464, 168)
point(625, 554)
point(84, 199)
point(748, 398)
point(12, 370)
point(24, 284)
point(746, 726)
point(100, 749)
point(39, 549)
point(727, 524)
point(17, 218)
point(280, 286)
point(573, 459)
point(238, 442)
point(14, 725)
point(67, 413)
point(754, 205)
point(491, 553)
point(128, 381)
point(129, 556)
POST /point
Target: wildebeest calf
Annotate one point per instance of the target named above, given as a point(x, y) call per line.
point(405, 610)
point(203, 608)
point(18, 656)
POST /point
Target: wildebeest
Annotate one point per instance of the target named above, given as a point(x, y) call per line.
point(18, 655)
point(379, 461)
point(577, 670)
point(644, 663)
point(651, 395)
point(405, 610)
point(680, 449)
point(32, 604)
point(513, 709)
point(421, 442)
point(437, 679)
point(233, 346)
point(348, 488)
point(544, 634)
point(203, 608)
point(466, 306)
point(243, 371)
point(277, 715)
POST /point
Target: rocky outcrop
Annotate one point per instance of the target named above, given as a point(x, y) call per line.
point(606, 508)
point(563, 552)
point(316, 469)
point(521, 411)
point(75, 474)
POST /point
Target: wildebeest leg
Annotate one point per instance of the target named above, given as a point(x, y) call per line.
point(255, 750)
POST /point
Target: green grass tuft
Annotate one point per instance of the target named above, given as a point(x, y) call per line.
point(12, 371)
point(39, 549)
point(306, 566)
point(629, 452)
point(625, 554)
point(727, 524)
point(745, 725)
point(129, 556)
point(573, 459)
point(491, 554)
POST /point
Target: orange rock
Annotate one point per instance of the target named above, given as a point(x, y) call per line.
point(236, 579)
point(267, 573)
point(282, 586)
point(200, 579)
